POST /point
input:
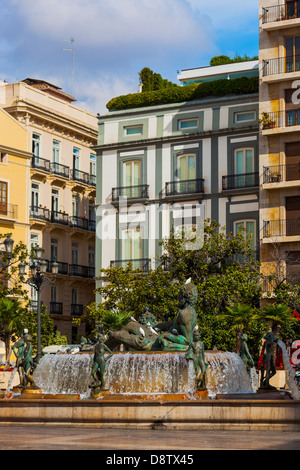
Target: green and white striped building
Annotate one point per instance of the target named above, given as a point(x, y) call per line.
point(196, 153)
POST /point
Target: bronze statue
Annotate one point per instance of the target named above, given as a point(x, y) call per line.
point(195, 353)
point(99, 363)
point(23, 352)
point(268, 369)
point(146, 335)
point(245, 354)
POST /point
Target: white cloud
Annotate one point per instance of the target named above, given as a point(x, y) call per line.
point(115, 22)
point(97, 93)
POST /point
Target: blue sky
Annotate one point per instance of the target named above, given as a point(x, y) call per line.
point(115, 39)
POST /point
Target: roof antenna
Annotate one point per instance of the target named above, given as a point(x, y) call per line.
point(72, 41)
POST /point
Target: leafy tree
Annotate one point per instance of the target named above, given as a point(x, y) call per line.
point(10, 311)
point(224, 59)
point(152, 81)
point(239, 317)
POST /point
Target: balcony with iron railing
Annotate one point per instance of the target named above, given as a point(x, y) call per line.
point(281, 228)
point(80, 176)
point(58, 217)
point(92, 180)
point(76, 310)
point(182, 187)
point(79, 270)
point(63, 268)
point(39, 163)
point(283, 12)
point(240, 181)
point(79, 222)
point(56, 308)
point(282, 119)
point(281, 173)
point(131, 192)
point(281, 65)
point(40, 213)
point(60, 170)
point(143, 264)
point(8, 211)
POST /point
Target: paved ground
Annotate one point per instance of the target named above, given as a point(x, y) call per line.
point(48, 437)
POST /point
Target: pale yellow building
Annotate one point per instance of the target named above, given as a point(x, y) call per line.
point(279, 57)
point(15, 159)
point(60, 193)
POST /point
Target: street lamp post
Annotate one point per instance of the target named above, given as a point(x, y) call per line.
point(8, 249)
point(38, 281)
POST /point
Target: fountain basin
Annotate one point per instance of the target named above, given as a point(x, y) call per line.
point(142, 373)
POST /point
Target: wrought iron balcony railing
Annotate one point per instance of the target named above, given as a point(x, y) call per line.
point(56, 308)
point(185, 187)
point(79, 222)
point(131, 192)
point(290, 117)
point(60, 170)
point(76, 309)
point(92, 180)
point(63, 268)
point(40, 163)
point(281, 228)
point(285, 11)
point(281, 65)
point(58, 217)
point(40, 213)
point(245, 180)
point(143, 263)
point(280, 173)
point(81, 176)
point(8, 210)
point(81, 271)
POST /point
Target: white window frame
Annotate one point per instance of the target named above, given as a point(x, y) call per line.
point(180, 128)
point(135, 126)
point(240, 113)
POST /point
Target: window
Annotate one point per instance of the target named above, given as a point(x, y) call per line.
point(34, 241)
point(186, 165)
point(75, 205)
point(54, 249)
point(3, 198)
point(36, 142)
point(76, 159)
point(132, 244)
point(74, 296)
point(53, 293)
point(133, 130)
point(56, 151)
point(91, 256)
point(35, 197)
point(244, 116)
point(55, 201)
point(93, 165)
point(187, 124)
point(292, 54)
point(248, 228)
point(132, 175)
point(75, 253)
point(244, 160)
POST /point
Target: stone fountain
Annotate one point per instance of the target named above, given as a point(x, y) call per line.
point(165, 360)
point(162, 378)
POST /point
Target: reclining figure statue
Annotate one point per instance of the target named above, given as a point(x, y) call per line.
point(146, 335)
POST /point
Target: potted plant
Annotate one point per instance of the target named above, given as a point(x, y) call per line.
point(266, 121)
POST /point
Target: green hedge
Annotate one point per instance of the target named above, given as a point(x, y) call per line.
point(237, 86)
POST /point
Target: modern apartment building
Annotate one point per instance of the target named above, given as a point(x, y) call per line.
point(279, 58)
point(62, 192)
point(161, 158)
point(15, 160)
